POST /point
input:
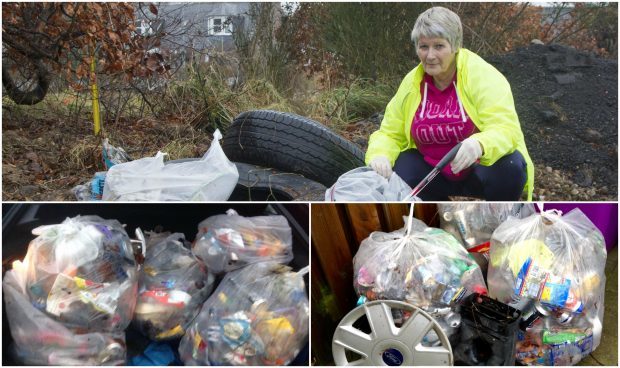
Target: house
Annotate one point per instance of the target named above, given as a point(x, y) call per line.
point(196, 30)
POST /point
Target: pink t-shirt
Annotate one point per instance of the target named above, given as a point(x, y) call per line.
point(439, 124)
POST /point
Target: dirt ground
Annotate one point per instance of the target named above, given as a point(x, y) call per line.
point(567, 102)
point(42, 159)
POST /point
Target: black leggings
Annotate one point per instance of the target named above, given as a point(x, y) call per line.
point(502, 181)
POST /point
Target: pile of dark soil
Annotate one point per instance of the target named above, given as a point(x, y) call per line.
point(567, 103)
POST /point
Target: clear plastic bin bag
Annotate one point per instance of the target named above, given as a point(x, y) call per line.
point(474, 223)
point(552, 267)
point(173, 287)
point(258, 315)
point(40, 340)
point(82, 273)
point(363, 184)
point(229, 242)
point(426, 267)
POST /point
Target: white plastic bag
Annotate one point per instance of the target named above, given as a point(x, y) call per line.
point(363, 184)
point(212, 178)
point(553, 268)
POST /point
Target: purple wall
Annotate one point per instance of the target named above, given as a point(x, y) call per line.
point(603, 215)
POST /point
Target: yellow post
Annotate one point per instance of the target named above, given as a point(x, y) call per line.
point(95, 91)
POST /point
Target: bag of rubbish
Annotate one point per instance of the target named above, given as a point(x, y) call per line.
point(423, 266)
point(41, 340)
point(229, 242)
point(173, 286)
point(426, 267)
point(365, 185)
point(258, 315)
point(79, 279)
point(473, 223)
point(211, 178)
point(552, 267)
point(83, 273)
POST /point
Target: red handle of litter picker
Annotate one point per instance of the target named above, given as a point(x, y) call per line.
point(431, 175)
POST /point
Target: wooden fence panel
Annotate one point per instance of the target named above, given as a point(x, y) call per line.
point(331, 245)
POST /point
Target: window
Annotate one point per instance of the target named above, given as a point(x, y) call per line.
point(220, 25)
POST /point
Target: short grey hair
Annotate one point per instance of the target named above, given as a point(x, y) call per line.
point(439, 22)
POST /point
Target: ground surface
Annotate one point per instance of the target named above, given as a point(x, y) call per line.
point(567, 104)
point(42, 159)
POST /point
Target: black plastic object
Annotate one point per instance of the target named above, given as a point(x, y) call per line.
point(487, 334)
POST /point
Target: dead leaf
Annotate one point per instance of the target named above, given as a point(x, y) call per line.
point(153, 8)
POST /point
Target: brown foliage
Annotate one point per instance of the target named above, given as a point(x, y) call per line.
point(67, 35)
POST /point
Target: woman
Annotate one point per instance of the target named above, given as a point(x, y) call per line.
point(452, 96)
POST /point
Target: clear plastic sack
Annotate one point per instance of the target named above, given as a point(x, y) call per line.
point(74, 293)
point(229, 242)
point(423, 266)
point(552, 267)
point(173, 287)
point(363, 184)
point(258, 315)
point(474, 223)
point(41, 340)
point(211, 178)
point(82, 273)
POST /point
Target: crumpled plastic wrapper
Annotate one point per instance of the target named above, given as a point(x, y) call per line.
point(228, 242)
point(74, 294)
point(552, 267)
point(427, 268)
point(173, 287)
point(257, 316)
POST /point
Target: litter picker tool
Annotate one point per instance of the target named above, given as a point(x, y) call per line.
point(431, 175)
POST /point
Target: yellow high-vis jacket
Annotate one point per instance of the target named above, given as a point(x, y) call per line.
point(487, 99)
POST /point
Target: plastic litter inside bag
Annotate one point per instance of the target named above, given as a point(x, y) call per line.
point(229, 242)
point(173, 285)
point(552, 268)
point(258, 315)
